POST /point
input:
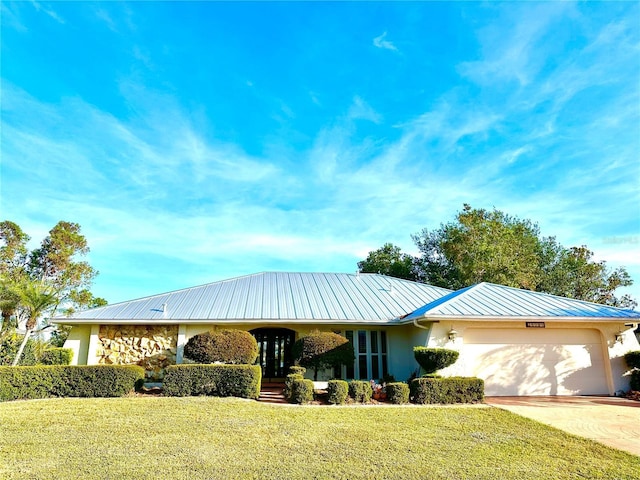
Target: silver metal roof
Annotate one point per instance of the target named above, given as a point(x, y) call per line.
point(487, 300)
point(274, 296)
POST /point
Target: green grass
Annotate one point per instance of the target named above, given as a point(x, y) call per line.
point(223, 438)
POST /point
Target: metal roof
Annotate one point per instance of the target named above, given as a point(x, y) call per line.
point(274, 296)
point(487, 300)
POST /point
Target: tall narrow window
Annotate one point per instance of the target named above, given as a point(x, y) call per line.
point(370, 347)
point(350, 373)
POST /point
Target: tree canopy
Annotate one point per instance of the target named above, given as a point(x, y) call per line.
point(492, 246)
point(389, 260)
point(36, 283)
point(320, 350)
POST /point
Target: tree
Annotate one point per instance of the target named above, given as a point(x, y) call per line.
point(13, 259)
point(571, 272)
point(389, 260)
point(53, 266)
point(492, 246)
point(320, 350)
point(480, 246)
point(37, 299)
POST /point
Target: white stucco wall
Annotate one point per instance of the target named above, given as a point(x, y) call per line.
point(612, 352)
point(78, 341)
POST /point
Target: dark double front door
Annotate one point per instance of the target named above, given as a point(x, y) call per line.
point(275, 357)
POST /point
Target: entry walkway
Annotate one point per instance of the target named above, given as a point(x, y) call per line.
point(612, 421)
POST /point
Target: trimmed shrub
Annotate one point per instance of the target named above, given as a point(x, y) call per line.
point(447, 390)
point(397, 392)
point(360, 390)
point(297, 369)
point(214, 380)
point(633, 359)
point(288, 384)
point(634, 381)
point(45, 381)
point(434, 359)
point(338, 391)
point(9, 344)
point(301, 391)
point(320, 350)
point(57, 356)
point(222, 346)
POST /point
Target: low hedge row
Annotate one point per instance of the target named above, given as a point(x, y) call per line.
point(45, 381)
point(446, 390)
point(215, 380)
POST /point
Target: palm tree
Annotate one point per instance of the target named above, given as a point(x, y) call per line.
point(36, 298)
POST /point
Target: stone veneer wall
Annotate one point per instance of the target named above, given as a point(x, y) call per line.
point(153, 347)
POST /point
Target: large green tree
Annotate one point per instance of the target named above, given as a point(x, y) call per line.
point(389, 260)
point(52, 271)
point(491, 246)
point(480, 246)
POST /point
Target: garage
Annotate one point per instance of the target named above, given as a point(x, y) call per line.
point(536, 361)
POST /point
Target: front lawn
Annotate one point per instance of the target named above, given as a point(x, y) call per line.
point(223, 438)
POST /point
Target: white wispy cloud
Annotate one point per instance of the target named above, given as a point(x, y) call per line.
point(380, 42)
point(42, 7)
point(155, 189)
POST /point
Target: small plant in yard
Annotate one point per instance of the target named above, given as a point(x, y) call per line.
point(378, 390)
point(360, 391)
point(338, 391)
point(633, 361)
point(288, 384)
point(434, 359)
point(397, 392)
point(301, 391)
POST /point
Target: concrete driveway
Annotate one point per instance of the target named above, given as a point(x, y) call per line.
point(612, 421)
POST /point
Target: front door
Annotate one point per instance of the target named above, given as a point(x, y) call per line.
point(275, 357)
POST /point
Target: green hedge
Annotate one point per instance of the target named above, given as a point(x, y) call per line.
point(297, 369)
point(447, 390)
point(288, 383)
point(338, 391)
point(215, 380)
point(360, 390)
point(57, 356)
point(301, 391)
point(225, 346)
point(434, 359)
point(397, 392)
point(44, 381)
point(633, 359)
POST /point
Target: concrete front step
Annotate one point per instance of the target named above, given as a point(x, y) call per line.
point(272, 394)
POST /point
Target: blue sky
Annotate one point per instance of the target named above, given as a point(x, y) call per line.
point(199, 141)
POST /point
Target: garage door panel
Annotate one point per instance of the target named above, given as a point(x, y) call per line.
point(519, 362)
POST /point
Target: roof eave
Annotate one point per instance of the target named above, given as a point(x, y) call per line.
point(160, 321)
point(514, 318)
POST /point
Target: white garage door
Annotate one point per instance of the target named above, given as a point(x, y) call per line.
point(536, 361)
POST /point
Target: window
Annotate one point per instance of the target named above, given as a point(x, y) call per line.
point(370, 347)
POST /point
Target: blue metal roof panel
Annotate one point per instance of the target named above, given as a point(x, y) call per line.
point(498, 301)
point(276, 296)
